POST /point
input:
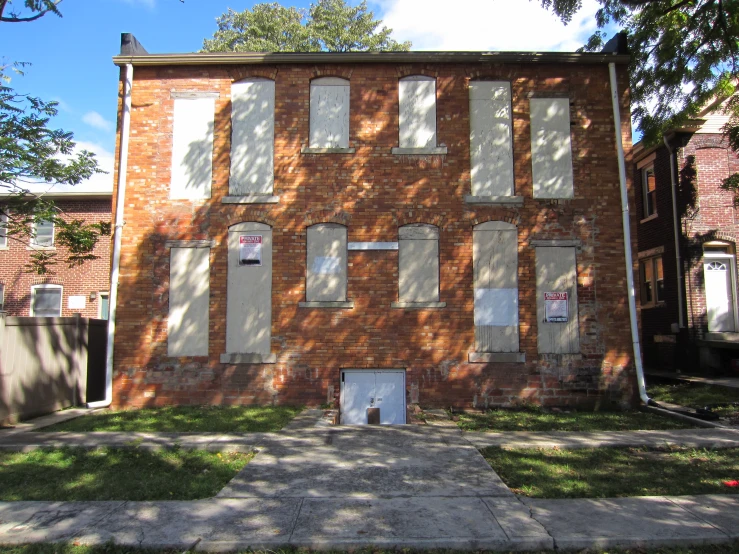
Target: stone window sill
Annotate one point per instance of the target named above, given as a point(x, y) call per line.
point(506, 200)
point(248, 358)
point(648, 218)
point(251, 199)
point(418, 305)
point(308, 150)
point(437, 151)
point(344, 305)
point(41, 248)
point(4, 248)
point(497, 357)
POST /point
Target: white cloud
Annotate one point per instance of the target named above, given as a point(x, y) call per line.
point(513, 25)
point(100, 182)
point(94, 119)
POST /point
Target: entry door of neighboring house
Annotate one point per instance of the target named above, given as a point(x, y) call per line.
point(718, 272)
point(368, 388)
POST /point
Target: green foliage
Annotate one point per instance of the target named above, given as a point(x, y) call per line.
point(30, 153)
point(184, 419)
point(78, 474)
point(533, 419)
point(37, 9)
point(685, 54)
point(329, 25)
point(614, 472)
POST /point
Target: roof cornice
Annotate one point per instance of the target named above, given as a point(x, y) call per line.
point(259, 58)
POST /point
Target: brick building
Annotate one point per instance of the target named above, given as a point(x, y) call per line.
point(372, 229)
point(688, 302)
point(64, 291)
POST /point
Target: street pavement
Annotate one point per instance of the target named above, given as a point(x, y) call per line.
point(341, 487)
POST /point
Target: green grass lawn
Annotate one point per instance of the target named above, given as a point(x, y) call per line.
point(184, 419)
point(724, 401)
point(65, 548)
point(534, 419)
point(613, 472)
point(116, 474)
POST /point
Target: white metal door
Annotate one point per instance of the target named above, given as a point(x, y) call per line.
point(390, 396)
point(362, 389)
point(719, 294)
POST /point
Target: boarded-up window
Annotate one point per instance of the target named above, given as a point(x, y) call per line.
point(192, 148)
point(418, 263)
point(326, 270)
point(329, 113)
point(417, 97)
point(189, 294)
point(551, 150)
point(495, 274)
point(252, 137)
point(249, 293)
point(556, 273)
point(491, 147)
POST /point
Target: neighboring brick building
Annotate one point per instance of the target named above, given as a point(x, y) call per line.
point(706, 285)
point(64, 291)
point(373, 229)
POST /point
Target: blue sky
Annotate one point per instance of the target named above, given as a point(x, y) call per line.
point(71, 56)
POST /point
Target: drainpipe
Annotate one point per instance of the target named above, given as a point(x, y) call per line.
point(676, 230)
point(627, 238)
point(115, 267)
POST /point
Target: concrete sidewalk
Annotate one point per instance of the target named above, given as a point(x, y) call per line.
point(324, 487)
point(460, 523)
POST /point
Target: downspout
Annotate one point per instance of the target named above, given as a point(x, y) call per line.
point(627, 238)
point(115, 267)
point(675, 228)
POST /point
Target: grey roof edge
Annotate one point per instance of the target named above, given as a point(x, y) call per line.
point(259, 58)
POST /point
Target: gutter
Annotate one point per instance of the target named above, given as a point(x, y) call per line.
point(256, 58)
point(116, 264)
point(675, 228)
point(626, 220)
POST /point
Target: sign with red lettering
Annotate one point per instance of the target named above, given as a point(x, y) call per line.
point(556, 307)
point(250, 250)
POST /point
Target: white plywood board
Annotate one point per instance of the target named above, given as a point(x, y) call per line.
point(329, 113)
point(326, 241)
point(189, 296)
point(551, 148)
point(252, 137)
point(417, 116)
point(556, 271)
point(75, 302)
point(491, 146)
point(249, 294)
point(192, 148)
point(418, 270)
point(495, 277)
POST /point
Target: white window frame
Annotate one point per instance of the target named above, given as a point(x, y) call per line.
point(656, 299)
point(34, 288)
point(2, 297)
point(34, 238)
point(105, 294)
point(646, 192)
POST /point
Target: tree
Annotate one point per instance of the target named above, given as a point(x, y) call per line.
point(684, 54)
point(329, 25)
point(31, 152)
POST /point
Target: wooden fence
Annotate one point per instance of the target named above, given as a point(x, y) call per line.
point(49, 363)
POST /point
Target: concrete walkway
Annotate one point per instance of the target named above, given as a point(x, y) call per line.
point(731, 382)
point(325, 487)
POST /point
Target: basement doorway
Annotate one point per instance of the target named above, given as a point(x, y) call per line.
point(363, 391)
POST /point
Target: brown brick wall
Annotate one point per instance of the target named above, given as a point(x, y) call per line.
point(77, 281)
point(373, 193)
